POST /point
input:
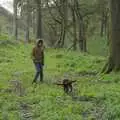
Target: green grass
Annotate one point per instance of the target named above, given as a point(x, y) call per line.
point(95, 96)
point(4, 37)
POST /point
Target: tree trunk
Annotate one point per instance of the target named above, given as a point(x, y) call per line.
point(102, 25)
point(82, 29)
point(114, 58)
point(15, 21)
point(104, 21)
point(64, 16)
point(27, 22)
point(74, 30)
point(34, 22)
point(82, 36)
point(62, 35)
point(39, 32)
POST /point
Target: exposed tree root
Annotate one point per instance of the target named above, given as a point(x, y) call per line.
point(109, 66)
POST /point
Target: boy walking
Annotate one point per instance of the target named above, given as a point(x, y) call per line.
point(38, 60)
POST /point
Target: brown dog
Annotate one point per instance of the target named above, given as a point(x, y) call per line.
point(67, 85)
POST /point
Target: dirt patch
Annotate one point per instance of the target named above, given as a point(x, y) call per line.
point(87, 98)
point(25, 111)
point(86, 73)
point(98, 110)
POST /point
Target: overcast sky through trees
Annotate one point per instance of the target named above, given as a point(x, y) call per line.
point(7, 4)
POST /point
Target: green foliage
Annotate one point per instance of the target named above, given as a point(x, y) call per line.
point(95, 96)
point(3, 37)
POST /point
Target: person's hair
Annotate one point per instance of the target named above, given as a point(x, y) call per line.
point(39, 41)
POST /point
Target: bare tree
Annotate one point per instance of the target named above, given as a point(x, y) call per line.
point(62, 9)
point(82, 30)
point(27, 20)
point(74, 26)
point(39, 32)
point(104, 16)
point(15, 20)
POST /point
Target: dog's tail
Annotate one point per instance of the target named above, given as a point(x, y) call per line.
point(60, 84)
point(70, 82)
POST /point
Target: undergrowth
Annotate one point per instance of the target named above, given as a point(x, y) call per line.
point(95, 96)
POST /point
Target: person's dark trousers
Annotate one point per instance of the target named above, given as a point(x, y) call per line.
point(39, 72)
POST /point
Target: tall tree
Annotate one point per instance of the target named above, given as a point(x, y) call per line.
point(82, 30)
point(114, 58)
point(74, 26)
point(62, 8)
point(15, 20)
point(39, 32)
point(27, 20)
point(64, 13)
point(103, 6)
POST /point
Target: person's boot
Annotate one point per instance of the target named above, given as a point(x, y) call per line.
point(41, 76)
point(34, 81)
point(36, 77)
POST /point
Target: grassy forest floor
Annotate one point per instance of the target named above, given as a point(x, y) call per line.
point(95, 96)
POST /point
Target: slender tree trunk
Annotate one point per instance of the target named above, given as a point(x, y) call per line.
point(109, 30)
point(114, 58)
point(62, 35)
point(102, 25)
point(15, 20)
point(74, 30)
point(82, 36)
point(65, 20)
point(82, 29)
point(27, 22)
point(64, 16)
point(39, 32)
point(52, 34)
point(104, 20)
point(34, 22)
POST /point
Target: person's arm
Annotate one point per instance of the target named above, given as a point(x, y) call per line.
point(33, 54)
point(43, 55)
